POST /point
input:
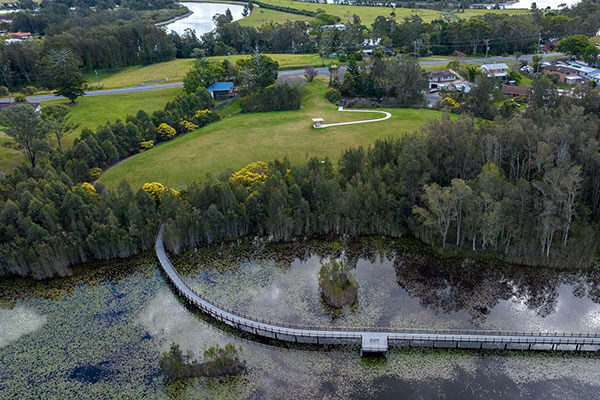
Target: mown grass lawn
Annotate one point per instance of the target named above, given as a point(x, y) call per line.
point(243, 138)
point(175, 70)
point(92, 111)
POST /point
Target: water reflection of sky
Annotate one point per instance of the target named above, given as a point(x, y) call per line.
point(201, 19)
point(393, 293)
point(124, 324)
point(18, 322)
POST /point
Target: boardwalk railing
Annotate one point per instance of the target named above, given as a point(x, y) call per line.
point(376, 338)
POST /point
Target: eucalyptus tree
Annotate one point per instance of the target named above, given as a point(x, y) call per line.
point(59, 121)
point(23, 123)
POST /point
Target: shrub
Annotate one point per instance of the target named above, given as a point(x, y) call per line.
point(156, 190)
point(251, 176)
point(187, 126)
point(278, 97)
point(333, 95)
point(86, 187)
point(95, 173)
point(20, 98)
point(205, 117)
point(218, 361)
point(310, 73)
point(165, 131)
point(451, 103)
point(28, 90)
point(146, 145)
point(338, 288)
point(3, 91)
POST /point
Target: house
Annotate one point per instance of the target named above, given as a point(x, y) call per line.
point(220, 90)
point(339, 27)
point(574, 80)
point(19, 35)
point(515, 91)
point(496, 70)
point(6, 19)
point(368, 50)
point(584, 71)
point(439, 79)
point(569, 70)
point(563, 71)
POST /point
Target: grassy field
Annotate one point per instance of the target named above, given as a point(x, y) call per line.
point(367, 14)
point(175, 70)
point(92, 111)
point(243, 138)
point(262, 16)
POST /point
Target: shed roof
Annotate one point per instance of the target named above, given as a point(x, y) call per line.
point(516, 90)
point(220, 86)
point(440, 74)
point(495, 66)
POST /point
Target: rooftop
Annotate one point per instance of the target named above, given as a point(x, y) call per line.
point(516, 90)
point(440, 74)
point(495, 66)
point(220, 86)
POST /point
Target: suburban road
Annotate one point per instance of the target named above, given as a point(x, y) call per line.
point(296, 72)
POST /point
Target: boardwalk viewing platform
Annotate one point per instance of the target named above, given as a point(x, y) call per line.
point(377, 340)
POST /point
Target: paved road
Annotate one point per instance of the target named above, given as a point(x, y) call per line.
point(296, 72)
point(142, 88)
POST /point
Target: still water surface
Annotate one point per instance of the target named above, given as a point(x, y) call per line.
point(99, 333)
point(201, 19)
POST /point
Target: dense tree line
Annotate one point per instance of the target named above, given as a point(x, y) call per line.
point(498, 34)
point(526, 188)
point(51, 217)
point(278, 97)
point(400, 78)
point(521, 188)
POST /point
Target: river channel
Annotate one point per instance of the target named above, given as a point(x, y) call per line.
point(201, 18)
point(99, 333)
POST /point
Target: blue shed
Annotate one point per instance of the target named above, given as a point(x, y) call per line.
point(220, 90)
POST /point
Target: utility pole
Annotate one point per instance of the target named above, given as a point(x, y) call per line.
point(97, 79)
point(417, 47)
point(487, 47)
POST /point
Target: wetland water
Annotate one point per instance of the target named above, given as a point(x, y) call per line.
point(201, 19)
point(98, 334)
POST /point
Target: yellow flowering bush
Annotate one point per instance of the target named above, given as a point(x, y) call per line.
point(95, 173)
point(453, 104)
point(87, 187)
point(201, 113)
point(165, 131)
point(188, 126)
point(251, 176)
point(205, 117)
point(146, 145)
point(156, 189)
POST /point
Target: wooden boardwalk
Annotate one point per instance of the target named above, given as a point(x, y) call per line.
point(377, 339)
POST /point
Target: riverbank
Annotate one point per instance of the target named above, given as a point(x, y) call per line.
point(170, 21)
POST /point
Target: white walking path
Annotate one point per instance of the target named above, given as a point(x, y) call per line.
point(376, 339)
point(364, 121)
